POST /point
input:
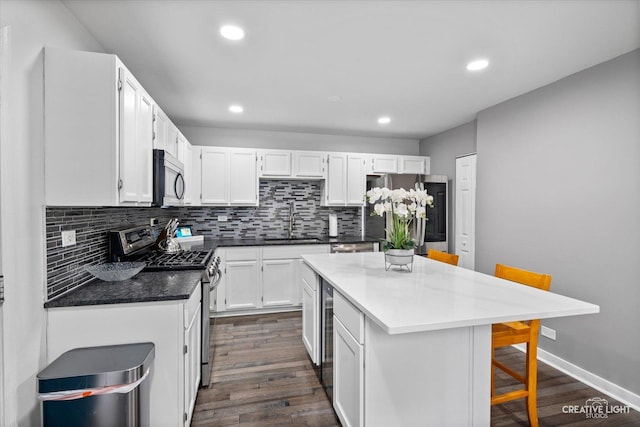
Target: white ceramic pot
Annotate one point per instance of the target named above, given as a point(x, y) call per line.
point(399, 256)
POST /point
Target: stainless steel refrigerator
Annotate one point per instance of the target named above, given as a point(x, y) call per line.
point(429, 233)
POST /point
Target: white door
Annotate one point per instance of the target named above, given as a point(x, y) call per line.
point(215, 176)
point(129, 109)
point(279, 282)
point(348, 376)
point(241, 285)
point(336, 188)
point(192, 367)
point(356, 179)
point(243, 177)
point(161, 123)
point(144, 148)
point(465, 221)
point(310, 320)
point(308, 164)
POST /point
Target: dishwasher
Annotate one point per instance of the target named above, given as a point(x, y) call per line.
point(345, 248)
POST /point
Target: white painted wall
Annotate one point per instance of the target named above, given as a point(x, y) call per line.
point(34, 24)
point(558, 191)
point(224, 137)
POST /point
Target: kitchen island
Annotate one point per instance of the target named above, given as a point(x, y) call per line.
point(414, 348)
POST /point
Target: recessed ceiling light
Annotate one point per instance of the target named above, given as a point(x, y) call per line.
point(232, 32)
point(384, 120)
point(477, 65)
point(236, 108)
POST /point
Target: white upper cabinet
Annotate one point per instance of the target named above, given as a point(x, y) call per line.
point(384, 163)
point(274, 163)
point(171, 145)
point(185, 155)
point(229, 176)
point(98, 132)
point(244, 179)
point(292, 164)
point(195, 187)
point(215, 176)
point(335, 186)
point(309, 164)
point(346, 180)
point(160, 129)
point(356, 179)
point(414, 164)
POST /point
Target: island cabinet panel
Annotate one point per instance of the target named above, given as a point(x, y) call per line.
point(310, 336)
point(428, 378)
point(348, 376)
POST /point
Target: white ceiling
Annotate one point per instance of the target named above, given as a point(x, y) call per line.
point(405, 59)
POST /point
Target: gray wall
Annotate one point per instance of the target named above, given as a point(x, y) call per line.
point(558, 192)
point(443, 149)
point(223, 137)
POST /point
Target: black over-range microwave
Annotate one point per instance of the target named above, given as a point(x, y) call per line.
point(168, 180)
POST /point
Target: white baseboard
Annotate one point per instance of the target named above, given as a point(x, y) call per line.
point(592, 380)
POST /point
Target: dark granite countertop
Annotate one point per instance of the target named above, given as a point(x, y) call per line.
point(143, 287)
point(212, 243)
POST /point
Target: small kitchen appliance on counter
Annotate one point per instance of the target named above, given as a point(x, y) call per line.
point(136, 244)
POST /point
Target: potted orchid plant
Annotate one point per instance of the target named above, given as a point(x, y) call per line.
point(402, 206)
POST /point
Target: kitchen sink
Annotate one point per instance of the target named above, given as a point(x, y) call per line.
point(295, 240)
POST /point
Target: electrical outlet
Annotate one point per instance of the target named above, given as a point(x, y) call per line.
point(222, 218)
point(153, 221)
point(548, 332)
point(68, 238)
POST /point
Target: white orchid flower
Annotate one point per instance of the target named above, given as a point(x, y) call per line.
point(379, 209)
point(401, 210)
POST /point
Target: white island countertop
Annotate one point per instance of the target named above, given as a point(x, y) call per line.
point(436, 295)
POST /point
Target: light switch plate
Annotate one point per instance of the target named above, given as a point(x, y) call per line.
point(68, 238)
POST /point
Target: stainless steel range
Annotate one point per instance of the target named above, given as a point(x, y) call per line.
point(137, 243)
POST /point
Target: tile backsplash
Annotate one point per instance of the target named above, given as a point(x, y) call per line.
point(65, 265)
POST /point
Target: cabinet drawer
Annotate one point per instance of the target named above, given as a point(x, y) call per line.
point(309, 276)
point(191, 306)
point(349, 315)
point(292, 251)
point(241, 254)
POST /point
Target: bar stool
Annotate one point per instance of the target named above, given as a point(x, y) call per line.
point(506, 334)
point(443, 257)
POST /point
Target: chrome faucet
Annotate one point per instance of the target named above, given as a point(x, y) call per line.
point(292, 219)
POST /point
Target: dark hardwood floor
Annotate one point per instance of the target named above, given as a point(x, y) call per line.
point(263, 377)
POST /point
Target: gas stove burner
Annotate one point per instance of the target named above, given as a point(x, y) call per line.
point(185, 260)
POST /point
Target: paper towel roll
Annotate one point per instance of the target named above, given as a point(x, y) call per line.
point(333, 225)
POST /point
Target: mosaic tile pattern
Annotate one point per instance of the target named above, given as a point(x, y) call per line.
point(271, 218)
point(65, 265)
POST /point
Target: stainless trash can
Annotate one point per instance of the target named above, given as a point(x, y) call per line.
point(97, 387)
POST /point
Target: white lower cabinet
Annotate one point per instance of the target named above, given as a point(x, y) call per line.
point(278, 288)
point(348, 361)
point(172, 326)
point(242, 292)
point(310, 313)
point(348, 376)
point(261, 277)
point(192, 366)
